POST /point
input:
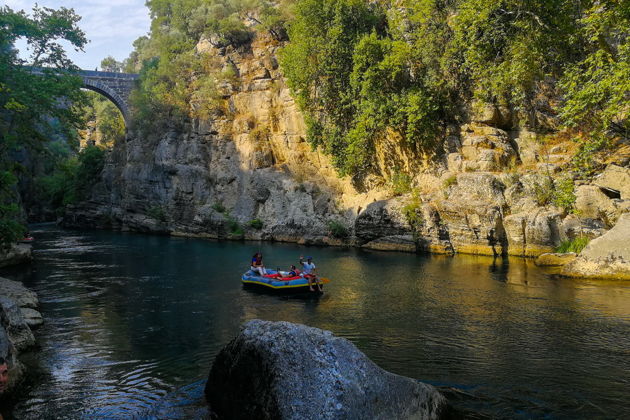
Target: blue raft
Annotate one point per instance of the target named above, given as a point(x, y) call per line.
point(288, 285)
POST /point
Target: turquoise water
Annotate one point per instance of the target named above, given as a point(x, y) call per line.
point(131, 318)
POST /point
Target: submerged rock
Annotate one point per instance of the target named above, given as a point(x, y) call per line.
point(605, 257)
point(280, 370)
point(554, 259)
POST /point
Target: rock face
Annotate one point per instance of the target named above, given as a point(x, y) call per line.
point(17, 254)
point(533, 233)
point(381, 226)
point(247, 172)
point(15, 290)
point(213, 177)
point(605, 257)
point(280, 370)
point(17, 316)
point(616, 178)
point(15, 325)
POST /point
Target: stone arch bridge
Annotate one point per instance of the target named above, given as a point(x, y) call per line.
point(114, 86)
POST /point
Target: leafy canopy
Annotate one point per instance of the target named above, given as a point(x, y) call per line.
point(32, 105)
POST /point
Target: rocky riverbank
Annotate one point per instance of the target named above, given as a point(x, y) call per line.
point(18, 316)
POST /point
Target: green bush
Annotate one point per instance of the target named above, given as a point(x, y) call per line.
point(337, 229)
point(574, 245)
point(218, 207)
point(451, 180)
point(256, 224)
point(72, 179)
point(234, 226)
point(413, 211)
point(544, 191)
point(564, 194)
point(400, 183)
point(11, 229)
point(157, 213)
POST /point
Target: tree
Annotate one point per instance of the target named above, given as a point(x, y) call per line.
point(597, 87)
point(33, 104)
point(109, 63)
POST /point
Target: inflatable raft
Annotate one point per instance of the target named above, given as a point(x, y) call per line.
point(274, 282)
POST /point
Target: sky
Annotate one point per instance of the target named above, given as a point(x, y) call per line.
point(111, 26)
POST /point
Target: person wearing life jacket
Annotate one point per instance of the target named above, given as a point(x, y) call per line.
point(293, 272)
point(309, 272)
point(257, 264)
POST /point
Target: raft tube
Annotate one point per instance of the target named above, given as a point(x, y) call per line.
point(290, 285)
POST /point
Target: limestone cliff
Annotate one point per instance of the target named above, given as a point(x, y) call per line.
point(249, 173)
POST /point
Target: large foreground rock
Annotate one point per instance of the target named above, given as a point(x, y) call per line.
point(605, 257)
point(280, 370)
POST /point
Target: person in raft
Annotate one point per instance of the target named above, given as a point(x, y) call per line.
point(257, 264)
point(293, 272)
point(309, 272)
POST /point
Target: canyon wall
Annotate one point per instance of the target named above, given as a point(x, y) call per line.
point(249, 173)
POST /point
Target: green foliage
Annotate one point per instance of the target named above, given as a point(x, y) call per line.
point(256, 224)
point(33, 104)
point(157, 213)
point(72, 179)
point(544, 191)
point(400, 183)
point(596, 86)
point(413, 211)
point(573, 245)
point(451, 180)
point(584, 162)
point(109, 63)
point(235, 227)
point(107, 119)
point(564, 194)
point(218, 207)
point(560, 193)
point(176, 81)
point(337, 229)
point(10, 228)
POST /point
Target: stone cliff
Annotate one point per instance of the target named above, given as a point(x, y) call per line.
point(18, 315)
point(249, 173)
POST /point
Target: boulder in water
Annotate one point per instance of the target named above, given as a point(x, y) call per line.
point(605, 257)
point(280, 370)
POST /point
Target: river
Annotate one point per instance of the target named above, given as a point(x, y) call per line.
point(131, 318)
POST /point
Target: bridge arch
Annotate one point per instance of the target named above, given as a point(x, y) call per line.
point(116, 87)
point(110, 94)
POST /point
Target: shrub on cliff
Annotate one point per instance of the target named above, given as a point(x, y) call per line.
point(337, 229)
point(256, 224)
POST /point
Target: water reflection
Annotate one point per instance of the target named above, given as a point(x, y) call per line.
point(130, 319)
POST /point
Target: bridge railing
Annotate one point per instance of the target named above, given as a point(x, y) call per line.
point(90, 73)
